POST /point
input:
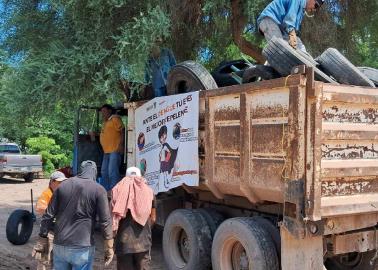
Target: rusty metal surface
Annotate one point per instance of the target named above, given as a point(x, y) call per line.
point(354, 242)
point(253, 138)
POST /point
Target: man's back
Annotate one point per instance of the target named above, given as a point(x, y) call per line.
point(75, 205)
point(288, 14)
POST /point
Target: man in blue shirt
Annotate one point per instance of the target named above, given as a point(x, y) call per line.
point(158, 65)
point(283, 19)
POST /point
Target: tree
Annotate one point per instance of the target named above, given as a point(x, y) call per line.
point(60, 54)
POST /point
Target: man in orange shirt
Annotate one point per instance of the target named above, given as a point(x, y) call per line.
point(112, 142)
point(43, 201)
point(56, 178)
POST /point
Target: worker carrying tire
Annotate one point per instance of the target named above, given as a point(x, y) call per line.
point(283, 19)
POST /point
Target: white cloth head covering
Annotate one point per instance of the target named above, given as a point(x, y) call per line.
point(133, 171)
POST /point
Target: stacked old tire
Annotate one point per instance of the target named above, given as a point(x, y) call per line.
point(331, 66)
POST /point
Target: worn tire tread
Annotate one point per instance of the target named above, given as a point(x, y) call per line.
point(336, 64)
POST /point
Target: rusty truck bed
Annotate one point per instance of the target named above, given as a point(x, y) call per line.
point(257, 139)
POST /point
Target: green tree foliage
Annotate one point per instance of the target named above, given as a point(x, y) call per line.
point(51, 153)
point(59, 54)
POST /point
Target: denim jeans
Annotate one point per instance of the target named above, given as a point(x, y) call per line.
point(72, 258)
point(270, 30)
point(110, 170)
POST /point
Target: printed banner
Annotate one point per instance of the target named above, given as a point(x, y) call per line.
point(167, 141)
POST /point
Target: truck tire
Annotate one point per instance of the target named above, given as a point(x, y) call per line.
point(242, 243)
point(223, 73)
point(213, 218)
point(282, 57)
point(336, 64)
point(2, 175)
point(19, 227)
point(258, 73)
point(272, 231)
point(29, 177)
point(371, 73)
point(187, 241)
point(189, 76)
point(352, 261)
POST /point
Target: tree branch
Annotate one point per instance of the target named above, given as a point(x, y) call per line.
point(238, 22)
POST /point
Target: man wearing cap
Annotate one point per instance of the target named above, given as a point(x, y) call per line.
point(74, 207)
point(56, 178)
point(133, 214)
point(283, 19)
point(43, 201)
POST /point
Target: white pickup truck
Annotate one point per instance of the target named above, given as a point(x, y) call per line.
point(13, 163)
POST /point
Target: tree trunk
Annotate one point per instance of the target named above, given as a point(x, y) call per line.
point(238, 22)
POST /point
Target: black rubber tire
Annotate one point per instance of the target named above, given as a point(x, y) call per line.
point(212, 217)
point(198, 236)
point(371, 73)
point(29, 177)
point(339, 67)
point(222, 74)
point(258, 245)
point(189, 76)
point(16, 219)
point(273, 231)
point(362, 262)
point(260, 72)
point(282, 57)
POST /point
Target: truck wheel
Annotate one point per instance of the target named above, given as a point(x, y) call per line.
point(213, 218)
point(29, 177)
point(352, 261)
point(19, 227)
point(1, 175)
point(371, 73)
point(187, 241)
point(189, 76)
point(282, 57)
point(272, 231)
point(258, 73)
point(242, 243)
point(336, 64)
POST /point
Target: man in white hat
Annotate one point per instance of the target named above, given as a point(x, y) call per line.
point(133, 214)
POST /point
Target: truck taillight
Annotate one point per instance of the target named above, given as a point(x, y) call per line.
point(3, 160)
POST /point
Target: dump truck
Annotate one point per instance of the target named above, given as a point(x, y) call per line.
point(288, 179)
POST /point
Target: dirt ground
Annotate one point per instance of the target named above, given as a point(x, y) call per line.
point(15, 194)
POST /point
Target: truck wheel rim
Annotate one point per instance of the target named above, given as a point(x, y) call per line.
point(350, 260)
point(239, 257)
point(180, 251)
point(184, 246)
point(234, 255)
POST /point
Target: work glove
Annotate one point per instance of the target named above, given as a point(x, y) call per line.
point(40, 249)
point(293, 39)
point(108, 251)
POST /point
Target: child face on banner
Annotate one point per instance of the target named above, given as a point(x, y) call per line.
point(163, 138)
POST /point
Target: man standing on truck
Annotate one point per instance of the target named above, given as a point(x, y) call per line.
point(283, 19)
point(159, 63)
point(112, 139)
point(133, 214)
point(74, 207)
